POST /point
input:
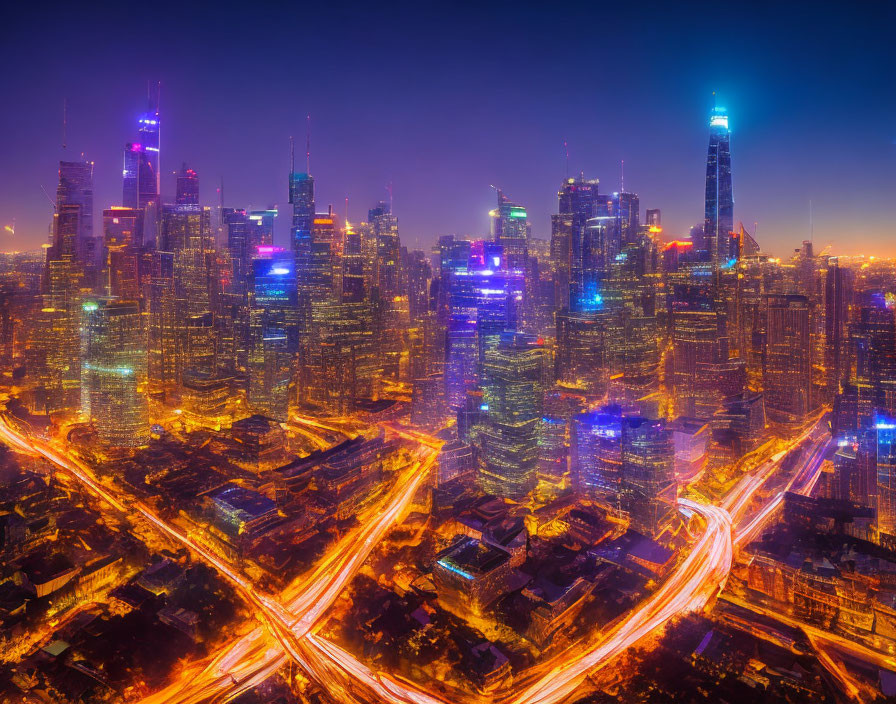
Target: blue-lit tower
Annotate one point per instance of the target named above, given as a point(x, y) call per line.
point(886, 476)
point(272, 305)
point(141, 175)
point(719, 214)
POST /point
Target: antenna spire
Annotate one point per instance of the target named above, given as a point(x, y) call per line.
point(566, 147)
point(622, 176)
point(811, 223)
point(292, 155)
point(308, 145)
point(64, 120)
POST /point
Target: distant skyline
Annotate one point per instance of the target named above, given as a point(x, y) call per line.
point(441, 102)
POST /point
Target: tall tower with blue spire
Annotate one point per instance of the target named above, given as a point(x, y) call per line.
point(719, 213)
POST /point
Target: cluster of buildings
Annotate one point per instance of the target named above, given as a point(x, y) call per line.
point(610, 358)
point(575, 382)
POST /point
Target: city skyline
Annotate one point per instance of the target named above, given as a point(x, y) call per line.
point(466, 131)
point(434, 355)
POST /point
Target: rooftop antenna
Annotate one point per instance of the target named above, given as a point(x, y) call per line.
point(389, 188)
point(566, 147)
point(64, 120)
point(622, 176)
point(308, 145)
point(52, 202)
point(346, 211)
point(292, 155)
point(811, 223)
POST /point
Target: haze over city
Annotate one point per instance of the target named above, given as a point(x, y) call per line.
point(441, 102)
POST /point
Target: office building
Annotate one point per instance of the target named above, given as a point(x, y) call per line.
point(512, 404)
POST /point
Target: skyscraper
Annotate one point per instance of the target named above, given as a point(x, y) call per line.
point(141, 177)
point(114, 372)
point(648, 473)
point(301, 196)
point(719, 214)
point(788, 359)
point(886, 477)
point(512, 404)
point(576, 204)
point(596, 453)
point(73, 232)
point(187, 191)
point(122, 238)
point(272, 305)
point(838, 292)
point(510, 229)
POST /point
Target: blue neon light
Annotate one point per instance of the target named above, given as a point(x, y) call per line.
point(456, 570)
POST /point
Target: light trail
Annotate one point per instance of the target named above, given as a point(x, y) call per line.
point(804, 480)
point(289, 624)
point(702, 574)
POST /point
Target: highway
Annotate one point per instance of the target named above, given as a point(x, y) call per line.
point(256, 656)
point(252, 654)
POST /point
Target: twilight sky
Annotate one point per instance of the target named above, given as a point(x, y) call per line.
point(443, 99)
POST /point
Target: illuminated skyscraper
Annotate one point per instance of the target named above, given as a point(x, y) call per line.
point(72, 266)
point(114, 372)
point(141, 174)
point(510, 228)
point(788, 359)
point(576, 205)
point(512, 408)
point(238, 229)
point(301, 196)
point(272, 307)
point(354, 284)
point(187, 192)
point(596, 453)
point(344, 362)
point(74, 211)
point(873, 346)
point(886, 477)
point(838, 294)
point(483, 300)
point(388, 255)
point(262, 227)
point(699, 334)
point(648, 473)
point(719, 214)
point(123, 240)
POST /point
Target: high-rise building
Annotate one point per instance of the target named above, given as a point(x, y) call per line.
point(873, 357)
point(73, 233)
point(698, 338)
point(838, 293)
point(886, 477)
point(596, 453)
point(510, 229)
point(141, 175)
point(123, 240)
point(512, 403)
point(72, 266)
point(271, 350)
point(576, 205)
point(648, 485)
point(187, 192)
point(113, 386)
point(483, 301)
point(788, 359)
point(345, 364)
point(301, 196)
point(718, 225)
